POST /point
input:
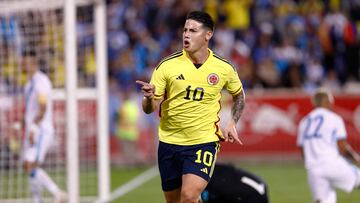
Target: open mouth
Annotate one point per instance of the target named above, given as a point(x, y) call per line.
point(186, 43)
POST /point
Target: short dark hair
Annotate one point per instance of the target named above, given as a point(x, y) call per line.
point(203, 18)
point(320, 95)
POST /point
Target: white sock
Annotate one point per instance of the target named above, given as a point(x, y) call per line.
point(43, 178)
point(35, 189)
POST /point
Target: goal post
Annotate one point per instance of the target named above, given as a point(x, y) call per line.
point(71, 104)
point(102, 107)
point(70, 37)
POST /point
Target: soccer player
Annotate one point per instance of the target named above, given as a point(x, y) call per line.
point(39, 130)
point(322, 138)
point(234, 185)
point(188, 84)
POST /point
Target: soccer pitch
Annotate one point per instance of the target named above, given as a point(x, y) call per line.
point(287, 183)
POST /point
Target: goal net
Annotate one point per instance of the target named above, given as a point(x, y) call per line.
point(38, 25)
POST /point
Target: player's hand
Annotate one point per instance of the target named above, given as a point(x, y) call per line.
point(147, 88)
point(230, 133)
point(17, 126)
point(34, 129)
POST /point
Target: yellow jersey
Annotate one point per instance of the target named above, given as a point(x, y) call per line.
point(189, 113)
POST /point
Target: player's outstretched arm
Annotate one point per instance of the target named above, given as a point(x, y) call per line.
point(149, 104)
point(230, 133)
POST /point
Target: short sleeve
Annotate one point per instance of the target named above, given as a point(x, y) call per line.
point(233, 84)
point(340, 130)
point(159, 80)
point(300, 133)
point(43, 87)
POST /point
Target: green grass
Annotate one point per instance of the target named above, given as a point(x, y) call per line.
point(149, 192)
point(287, 184)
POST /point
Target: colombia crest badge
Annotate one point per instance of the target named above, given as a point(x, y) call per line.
point(213, 79)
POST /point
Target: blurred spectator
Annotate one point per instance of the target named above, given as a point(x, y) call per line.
point(146, 51)
point(3, 86)
point(268, 74)
point(241, 58)
point(314, 74)
point(263, 11)
point(311, 8)
point(123, 69)
point(224, 39)
point(127, 130)
point(336, 22)
point(264, 47)
point(291, 43)
point(9, 32)
point(237, 13)
point(114, 103)
point(293, 76)
point(285, 55)
point(352, 44)
point(331, 82)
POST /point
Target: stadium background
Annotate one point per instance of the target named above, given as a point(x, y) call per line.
point(282, 49)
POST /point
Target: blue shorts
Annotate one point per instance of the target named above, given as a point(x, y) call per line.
point(177, 160)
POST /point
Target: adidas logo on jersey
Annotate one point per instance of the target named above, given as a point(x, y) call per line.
point(180, 77)
point(204, 170)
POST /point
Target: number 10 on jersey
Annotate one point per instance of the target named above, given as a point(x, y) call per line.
point(197, 95)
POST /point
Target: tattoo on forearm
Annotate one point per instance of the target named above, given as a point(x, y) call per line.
point(238, 106)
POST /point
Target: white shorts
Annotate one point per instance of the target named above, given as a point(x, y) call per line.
point(324, 180)
point(37, 152)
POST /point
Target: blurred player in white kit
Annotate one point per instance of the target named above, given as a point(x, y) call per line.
point(322, 138)
point(39, 129)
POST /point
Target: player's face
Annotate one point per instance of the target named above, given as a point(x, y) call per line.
point(29, 64)
point(195, 36)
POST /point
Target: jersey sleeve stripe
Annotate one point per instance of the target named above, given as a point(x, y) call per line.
point(160, 106)
point(175, 53)
point(172, 56)
point(157, 96)
point(236, 92)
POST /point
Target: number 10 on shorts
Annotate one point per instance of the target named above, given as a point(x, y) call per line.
point(205, 158)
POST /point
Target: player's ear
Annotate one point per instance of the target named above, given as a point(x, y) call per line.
point(208, 35)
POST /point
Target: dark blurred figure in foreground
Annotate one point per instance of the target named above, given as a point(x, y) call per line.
point(245, 186)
